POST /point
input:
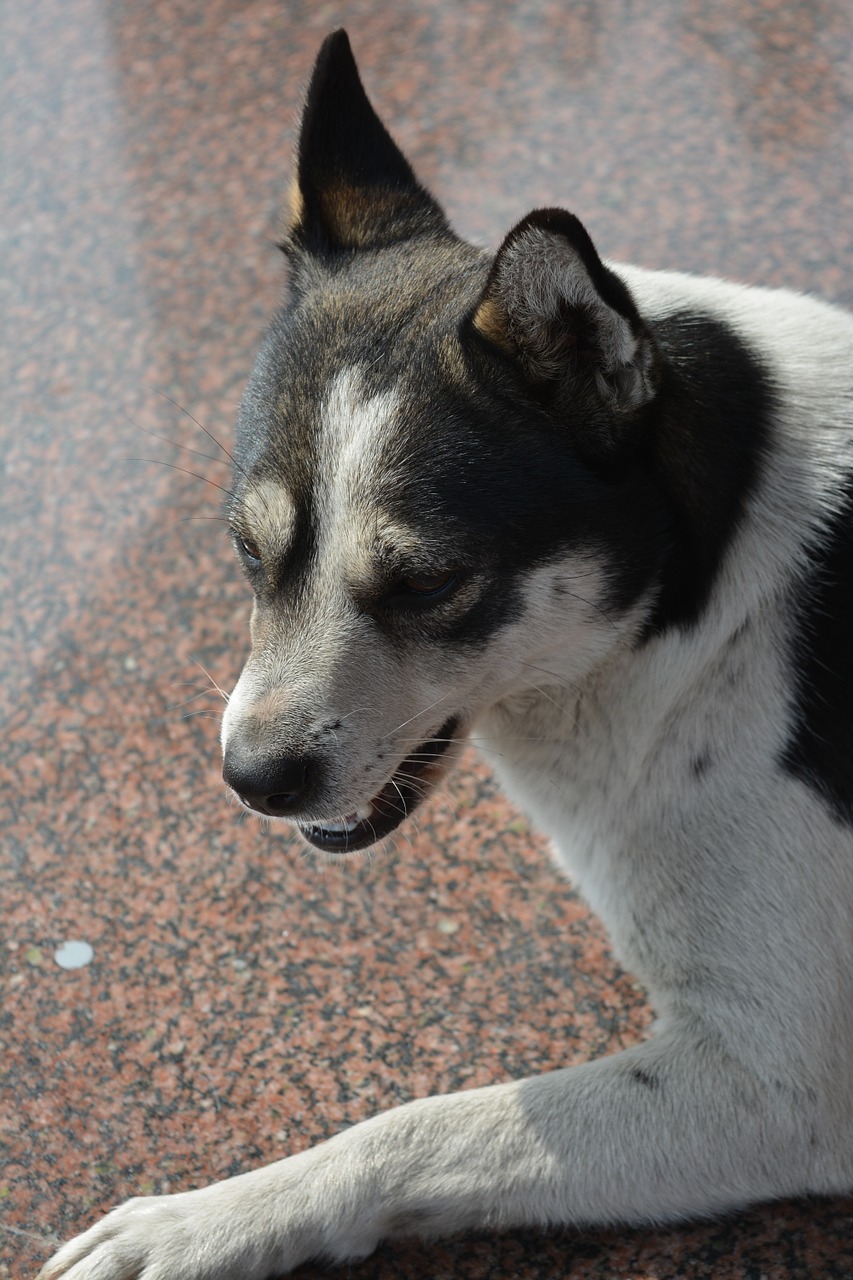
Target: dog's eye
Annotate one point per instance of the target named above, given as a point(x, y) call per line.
point(250, 549)
point(427, 585)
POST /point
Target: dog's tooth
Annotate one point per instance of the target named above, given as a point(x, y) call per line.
point(350, 822)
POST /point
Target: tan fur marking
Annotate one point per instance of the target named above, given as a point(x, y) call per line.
point(358, 217)
point(271, 707)
point(349, 213)
point(268, 515)
point(490, 320)
point(296, 206)
point(378, 540)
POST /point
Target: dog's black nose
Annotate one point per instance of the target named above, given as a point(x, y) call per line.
point(274, 787)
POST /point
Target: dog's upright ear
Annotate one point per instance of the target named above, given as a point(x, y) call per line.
point(354, 189)
point(552, 307)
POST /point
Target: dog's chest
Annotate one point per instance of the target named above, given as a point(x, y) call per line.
point(640, 777)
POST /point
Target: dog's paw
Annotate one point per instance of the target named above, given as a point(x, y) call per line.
point(146, 1236)
point(158, 1238)
point(247, 1228)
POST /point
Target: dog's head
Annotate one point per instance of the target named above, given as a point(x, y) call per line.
point(440, 496)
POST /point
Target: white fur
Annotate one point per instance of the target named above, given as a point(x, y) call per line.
point(353, 428)
point(731, 896)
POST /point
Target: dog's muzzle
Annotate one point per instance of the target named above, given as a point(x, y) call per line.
point(281, 788)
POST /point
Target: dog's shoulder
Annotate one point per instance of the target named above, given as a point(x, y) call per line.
point(773, 371)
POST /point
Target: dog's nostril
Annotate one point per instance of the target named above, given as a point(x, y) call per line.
point(282, 803)
point(286, 781)
point(272, 787)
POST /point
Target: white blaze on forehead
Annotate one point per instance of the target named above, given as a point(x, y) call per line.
point(354, 430)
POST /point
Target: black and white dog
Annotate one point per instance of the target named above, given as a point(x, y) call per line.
point(604, 515)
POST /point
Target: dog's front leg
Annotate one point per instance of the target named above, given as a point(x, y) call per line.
point(668, 1129)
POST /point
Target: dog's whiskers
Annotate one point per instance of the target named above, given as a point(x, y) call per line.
point(418, 714)
point(355, 711)
point(413, 820)
point(561, 680)
point(175, 444)
point(173, 466)
point(475, 738)
point(200, 425)
point(421, 788)
point(223, 695)
point(202, 693)
point(545, 694)
point(429, 757)
point(598, 609)
point(189, 519)
point(403, 805)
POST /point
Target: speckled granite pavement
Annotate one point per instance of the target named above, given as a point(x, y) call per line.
point(241, 1002)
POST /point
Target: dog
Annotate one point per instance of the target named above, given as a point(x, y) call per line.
point(605, 515)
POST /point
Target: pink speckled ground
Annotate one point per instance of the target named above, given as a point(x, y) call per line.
point(241, 1002)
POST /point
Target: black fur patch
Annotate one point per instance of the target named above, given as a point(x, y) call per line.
point(820, 752)
point(504, 480)
point(711, 428)
point(666, 502)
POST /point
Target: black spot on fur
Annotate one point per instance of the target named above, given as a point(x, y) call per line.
point(711, 428)
point(820, 751)
point(645, 1078)
point(701, 764)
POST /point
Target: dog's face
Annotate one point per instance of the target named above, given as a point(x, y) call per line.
point(440, 478)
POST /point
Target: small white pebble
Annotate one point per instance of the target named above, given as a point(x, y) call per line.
point(73, 955)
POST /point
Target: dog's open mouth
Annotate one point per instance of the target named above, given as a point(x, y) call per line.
point(403, 792)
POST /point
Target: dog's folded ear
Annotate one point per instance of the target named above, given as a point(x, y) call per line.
point(553, 308)
point(354, 188)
